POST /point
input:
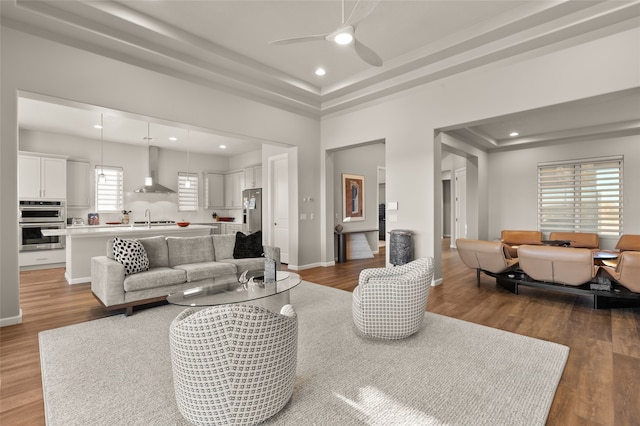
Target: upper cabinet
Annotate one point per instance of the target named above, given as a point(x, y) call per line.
point(78, 184)
point(253, 177)
point(214, 190)
point(41, 177)
point(233, 187)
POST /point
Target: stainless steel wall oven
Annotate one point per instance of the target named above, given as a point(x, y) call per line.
point(36, 216)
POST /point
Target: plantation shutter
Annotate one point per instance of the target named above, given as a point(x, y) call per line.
point(109, 194)
point(581, 196)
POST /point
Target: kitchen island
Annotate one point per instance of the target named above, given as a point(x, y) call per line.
point(83, 243)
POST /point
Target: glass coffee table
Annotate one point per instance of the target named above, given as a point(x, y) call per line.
point(249, 288)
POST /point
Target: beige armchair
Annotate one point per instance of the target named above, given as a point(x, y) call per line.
point(627, 242)
point(514, 239)
point(627, 271)
point(487, 256)
point(389, 303)
point(233, 364)
point(561, 265)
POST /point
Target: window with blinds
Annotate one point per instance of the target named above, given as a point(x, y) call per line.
point(581, 196)
point(109, 191)
point(187, 192)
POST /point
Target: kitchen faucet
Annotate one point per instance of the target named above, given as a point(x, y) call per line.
point(147, 215)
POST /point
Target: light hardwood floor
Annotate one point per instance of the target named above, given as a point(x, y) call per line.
point(600, 384)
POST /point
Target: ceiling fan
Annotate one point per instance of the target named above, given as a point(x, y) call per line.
point(345, 34)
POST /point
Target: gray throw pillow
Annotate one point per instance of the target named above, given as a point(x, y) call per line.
point(131, 254)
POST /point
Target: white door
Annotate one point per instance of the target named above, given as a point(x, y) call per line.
point(279, 166)
point(460, 186)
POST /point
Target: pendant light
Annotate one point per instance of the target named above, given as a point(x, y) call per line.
point(187, 184)
point(101, 177)
point(148, 181)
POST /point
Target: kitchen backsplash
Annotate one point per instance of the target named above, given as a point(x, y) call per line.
point(160, 210)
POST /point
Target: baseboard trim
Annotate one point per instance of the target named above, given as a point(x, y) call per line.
point(11, 320)
point(310, 265)
point(437, 282)
point(80, 280)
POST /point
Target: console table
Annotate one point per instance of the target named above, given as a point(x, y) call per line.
point(341, 237)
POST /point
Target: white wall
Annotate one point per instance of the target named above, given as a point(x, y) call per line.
point(408, 121)
point(514, 191)
point(36, 65)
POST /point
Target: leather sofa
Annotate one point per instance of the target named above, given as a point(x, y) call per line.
point(627, 271)
point(577, 239)
point(491, 257)
point(514, 239)
point(559, 265)
point(175, 264)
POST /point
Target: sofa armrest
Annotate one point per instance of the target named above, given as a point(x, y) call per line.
point(107, 280)
point(271, 252)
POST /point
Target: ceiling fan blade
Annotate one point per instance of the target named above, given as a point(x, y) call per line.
point(301, 39)
point(366, 54)
point(361, 10)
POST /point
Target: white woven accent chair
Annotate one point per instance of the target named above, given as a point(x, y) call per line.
point(233, 364)
point(389, 303)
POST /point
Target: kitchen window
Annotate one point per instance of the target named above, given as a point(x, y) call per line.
point(581, 196)
point(187, 192)
point(110, 192)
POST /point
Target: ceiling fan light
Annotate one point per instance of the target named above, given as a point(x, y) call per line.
point(343, 38)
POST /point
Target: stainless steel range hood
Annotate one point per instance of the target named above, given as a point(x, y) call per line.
point(153, 172)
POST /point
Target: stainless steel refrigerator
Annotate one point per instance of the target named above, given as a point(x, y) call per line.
point(252, 208)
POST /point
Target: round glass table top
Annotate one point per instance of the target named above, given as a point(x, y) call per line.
point(238, 288)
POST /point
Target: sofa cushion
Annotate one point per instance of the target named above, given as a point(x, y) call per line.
point(184, 250)
point(223, 245)
point(131, 254)
point(248, 264)
point(248, 246)
point(157, 250)
point(153, 278)
point(204, 270)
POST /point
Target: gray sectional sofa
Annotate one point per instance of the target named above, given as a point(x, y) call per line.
point(175, 263)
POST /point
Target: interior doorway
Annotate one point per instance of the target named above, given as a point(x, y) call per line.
point(279, 212)
point(460, 203)
point(382, 210)
point(446, 208)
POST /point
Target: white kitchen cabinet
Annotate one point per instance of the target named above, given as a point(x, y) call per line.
point(41, 257)
point(232, 228)
point(253, 177)
point(233, 186)
point(78, 184)
point(41, 177)
point(214, 187)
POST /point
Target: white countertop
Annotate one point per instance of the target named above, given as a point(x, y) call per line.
point(88, 230)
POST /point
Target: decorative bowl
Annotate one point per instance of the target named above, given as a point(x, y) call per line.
point(183, 224)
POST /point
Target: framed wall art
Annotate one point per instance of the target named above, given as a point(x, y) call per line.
point(352, 197)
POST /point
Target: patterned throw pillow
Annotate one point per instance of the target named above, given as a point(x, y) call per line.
point(131, 254)
point(248, 246)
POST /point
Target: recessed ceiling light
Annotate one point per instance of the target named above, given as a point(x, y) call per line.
point(320, 72)
point(514, 134)
point(222, 147)
point(97, 126)
point(173, 138)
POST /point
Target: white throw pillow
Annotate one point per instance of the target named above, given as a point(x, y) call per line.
point(131, 254)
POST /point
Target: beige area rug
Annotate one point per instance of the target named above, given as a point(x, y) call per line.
point(117, 371)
